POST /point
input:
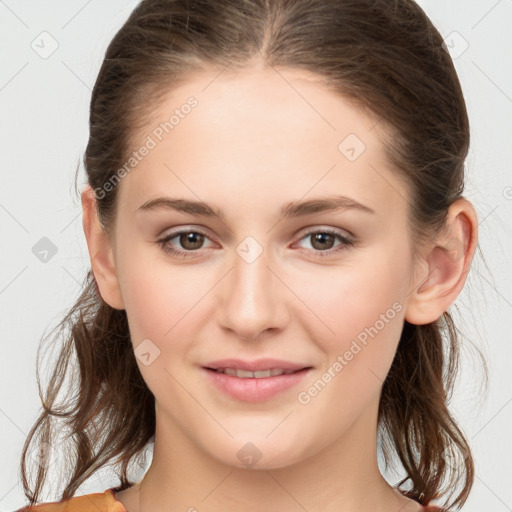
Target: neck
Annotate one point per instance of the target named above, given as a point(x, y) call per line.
point(343, 476)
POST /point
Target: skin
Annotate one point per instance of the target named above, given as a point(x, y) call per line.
point(255, 142)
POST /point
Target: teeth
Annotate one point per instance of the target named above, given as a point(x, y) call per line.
point(246, 374)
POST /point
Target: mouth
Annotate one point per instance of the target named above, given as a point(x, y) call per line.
point(260, 374)
point(259, 385)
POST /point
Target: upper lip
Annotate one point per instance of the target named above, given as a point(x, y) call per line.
point(256, 365)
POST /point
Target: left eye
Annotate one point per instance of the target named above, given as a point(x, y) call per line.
point(324, 239)
point(192, 241)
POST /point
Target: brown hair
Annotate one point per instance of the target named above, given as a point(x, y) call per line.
point(385, 55)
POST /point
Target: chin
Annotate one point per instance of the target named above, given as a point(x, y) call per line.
point(261, 454)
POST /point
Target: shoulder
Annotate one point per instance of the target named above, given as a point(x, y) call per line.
point(98, 501)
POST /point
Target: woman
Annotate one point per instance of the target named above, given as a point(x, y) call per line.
point(276, 227)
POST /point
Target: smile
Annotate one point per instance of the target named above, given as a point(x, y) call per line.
point(246, 374)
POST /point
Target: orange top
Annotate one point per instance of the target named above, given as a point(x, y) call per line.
point(98, 502)
point(106, 502)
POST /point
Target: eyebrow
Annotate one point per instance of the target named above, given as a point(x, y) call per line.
point(291, 210)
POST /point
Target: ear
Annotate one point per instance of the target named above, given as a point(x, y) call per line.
point(100, 252)
point(445, 267)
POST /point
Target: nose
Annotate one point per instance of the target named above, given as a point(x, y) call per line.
point(253, 298)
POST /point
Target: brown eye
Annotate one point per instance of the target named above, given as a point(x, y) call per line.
point(183, 243)
point(322, 241)
point(191, 240)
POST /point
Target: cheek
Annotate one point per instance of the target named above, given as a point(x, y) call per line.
point(363, 309)
point(165, 304)
point(161, 313)
point(159, 297)
point(159, 306)
point(365, 313)
point(362, 291)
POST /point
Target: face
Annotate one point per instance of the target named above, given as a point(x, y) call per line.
point(323, 290)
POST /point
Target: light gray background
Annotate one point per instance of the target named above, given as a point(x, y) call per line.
point(43, 133)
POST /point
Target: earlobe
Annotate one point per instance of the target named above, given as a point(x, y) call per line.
point(445, 267)
point(100, 252)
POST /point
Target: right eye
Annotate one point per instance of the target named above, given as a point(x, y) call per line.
point(191, 240)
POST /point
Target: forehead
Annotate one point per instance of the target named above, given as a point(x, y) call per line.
point(269, 134)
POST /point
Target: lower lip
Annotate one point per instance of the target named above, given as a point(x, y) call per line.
point(253, 389)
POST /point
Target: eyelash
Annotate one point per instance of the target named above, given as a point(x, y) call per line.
point(346, 243)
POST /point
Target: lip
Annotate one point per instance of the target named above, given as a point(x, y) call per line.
point(255, 389)
point(256, 365)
